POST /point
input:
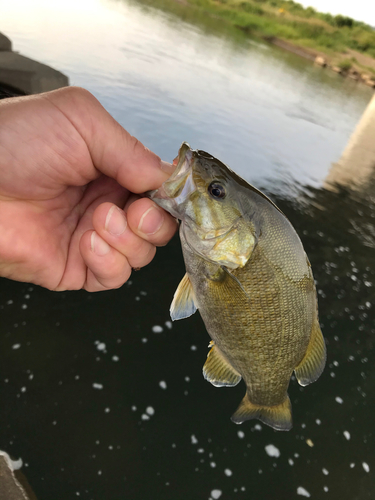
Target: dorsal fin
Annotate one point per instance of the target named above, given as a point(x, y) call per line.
point(312, 364)
point(217, 369)
point(183, 304)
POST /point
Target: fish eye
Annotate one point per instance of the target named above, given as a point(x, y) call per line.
point(216, 190)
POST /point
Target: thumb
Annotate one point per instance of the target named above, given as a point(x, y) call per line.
point(114, 152)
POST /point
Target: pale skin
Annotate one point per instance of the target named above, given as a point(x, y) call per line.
point(72, 214)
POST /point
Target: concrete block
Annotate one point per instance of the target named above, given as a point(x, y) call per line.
point(29, 76)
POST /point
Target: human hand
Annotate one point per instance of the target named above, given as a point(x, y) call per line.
point(70, 216)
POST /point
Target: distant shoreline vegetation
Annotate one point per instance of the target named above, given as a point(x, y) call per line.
point(347, 45)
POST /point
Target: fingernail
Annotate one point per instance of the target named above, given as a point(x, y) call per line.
point(167, 167)
point(151, 221)
point(115, 222)
point(98, 245)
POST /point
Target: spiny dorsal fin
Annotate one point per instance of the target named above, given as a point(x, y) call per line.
point(312, 364)
point(218, 371)
point(183, 304)
point(278, 417)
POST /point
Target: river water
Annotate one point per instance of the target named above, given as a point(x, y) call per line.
point(101, 396)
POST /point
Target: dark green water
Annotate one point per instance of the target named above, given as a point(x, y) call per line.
point(100, 406)
point(75, 438)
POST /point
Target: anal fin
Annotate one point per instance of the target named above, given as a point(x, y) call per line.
point(218, 371)
point(183, 304)
point(278, 417)
point(312, 364)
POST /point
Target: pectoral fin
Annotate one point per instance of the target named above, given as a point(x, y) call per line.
point(278, 417)
point(183, 304)
point(218, 371)
point(312, 364)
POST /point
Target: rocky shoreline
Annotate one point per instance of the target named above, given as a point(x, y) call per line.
point(323, 61)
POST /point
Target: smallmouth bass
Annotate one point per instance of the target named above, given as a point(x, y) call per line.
point(248, 275)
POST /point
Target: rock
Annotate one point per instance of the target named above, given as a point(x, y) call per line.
point(321, 61)
point(337, 69)
point(5, 43)
point(365, 77)
point(370, 82)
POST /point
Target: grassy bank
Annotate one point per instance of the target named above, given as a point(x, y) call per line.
point(345, 42)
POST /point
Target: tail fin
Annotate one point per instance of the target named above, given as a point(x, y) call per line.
point(278, 417)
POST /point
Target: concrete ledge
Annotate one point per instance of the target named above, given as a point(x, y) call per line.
point(29, 76)
point(10, 487)
point(25, 75)
point(5, 43)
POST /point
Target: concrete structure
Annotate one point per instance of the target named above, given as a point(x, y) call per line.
point(356, 166)
point(10, 482)
point(25, 75)
point(5, 43)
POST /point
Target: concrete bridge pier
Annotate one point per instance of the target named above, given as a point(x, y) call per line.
point(356, 166)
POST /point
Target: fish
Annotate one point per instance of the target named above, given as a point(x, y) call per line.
point(250, 279)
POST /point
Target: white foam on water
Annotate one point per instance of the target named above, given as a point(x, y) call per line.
point(12, 464)
point(144, 340)
point(145, 417)
point(150, 410)
point(194, 440)
point(24, 306)
point(339, 400)
point(325, 471)
point(157, 329)
point(228, 472)
point(352, 465)
point(168, 324)
point(97, 386)
point(325, 488)
point(272, 451)
point(163, 384)
point(366, 467)
point(215, 494)
point(193, 347)
point(101, 346)
point(213, 464)
point(257, 427)
point(290, 461)
point(115, 358)
point(301, 491)
point(16, 346)
point(241, 434)
point(187, 379)
point(134, 408)
point(107, 410)
point(347, 435)
point(318, 421)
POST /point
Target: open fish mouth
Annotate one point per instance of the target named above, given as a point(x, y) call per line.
point(176, 190)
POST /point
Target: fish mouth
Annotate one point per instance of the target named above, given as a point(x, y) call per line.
point(176, 190)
